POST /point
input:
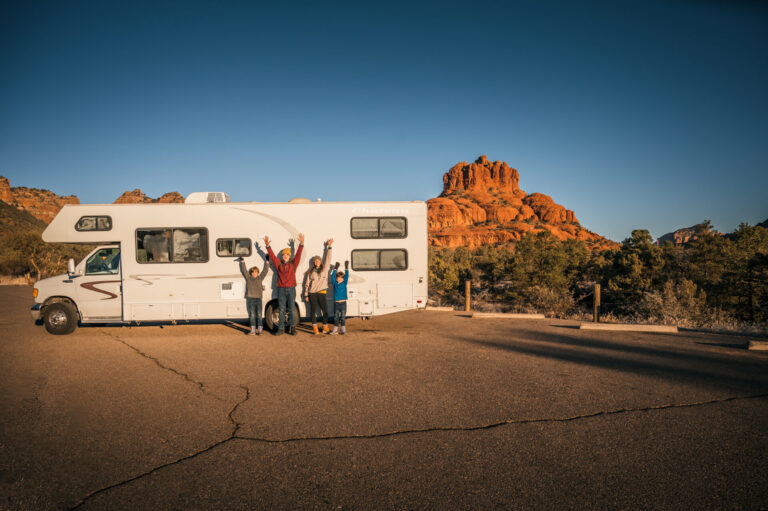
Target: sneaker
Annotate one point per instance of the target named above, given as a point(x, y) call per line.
point(280, 332)
point(258, 332)
point(343, 330)
point(252, 332)
point(292, 331)
point(335, 331)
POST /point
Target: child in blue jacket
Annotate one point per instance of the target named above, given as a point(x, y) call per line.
point(339, 280)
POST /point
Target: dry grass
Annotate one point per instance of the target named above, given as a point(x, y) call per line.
point(6, 280)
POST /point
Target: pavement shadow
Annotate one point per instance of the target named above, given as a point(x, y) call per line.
point(699, 369)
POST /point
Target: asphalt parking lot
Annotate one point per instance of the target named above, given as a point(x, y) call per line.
point(418, 410)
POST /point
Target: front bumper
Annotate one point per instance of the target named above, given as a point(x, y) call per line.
point(35, 312)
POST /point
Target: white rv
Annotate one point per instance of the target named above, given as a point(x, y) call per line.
point(177, 262)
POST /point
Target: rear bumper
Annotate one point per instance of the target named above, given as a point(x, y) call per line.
point(35, 312)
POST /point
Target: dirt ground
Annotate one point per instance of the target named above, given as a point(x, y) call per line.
point(417, 410)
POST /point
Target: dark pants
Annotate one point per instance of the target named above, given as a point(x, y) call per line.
point(339, 313)
point(286, 297)
point(318, 302)
point(254, 311)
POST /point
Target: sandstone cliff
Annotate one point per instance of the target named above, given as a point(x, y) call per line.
point(42, 204)
point(481, 203)
point(137, 196)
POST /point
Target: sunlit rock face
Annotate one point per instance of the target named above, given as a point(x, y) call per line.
point(137, 197)
point(482, 203)
point(42, 204)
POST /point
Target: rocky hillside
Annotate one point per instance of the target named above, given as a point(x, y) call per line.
point(137, 196)
point(482, 204)
point(41, 204)
point(44, 204)
point(13, 220)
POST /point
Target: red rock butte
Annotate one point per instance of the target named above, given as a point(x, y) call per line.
point(482, 204)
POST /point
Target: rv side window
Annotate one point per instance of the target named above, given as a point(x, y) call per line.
point(380, 260)
point(378, 227)
point(228, 247)
point(190, 245)
point(172, 245)
point(94, 223)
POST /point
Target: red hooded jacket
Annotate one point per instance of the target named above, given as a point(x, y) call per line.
point(286, 272)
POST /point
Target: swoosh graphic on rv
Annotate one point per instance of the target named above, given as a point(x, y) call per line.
point(91, 286)
point(288, 227)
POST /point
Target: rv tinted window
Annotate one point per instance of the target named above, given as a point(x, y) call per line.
point(380, 260)
point(228, 247)
point(187, 245)
point(190, 245)
point(392, 227)
point(393, 260)
point(365, 228)
point(378, 227)
point(153, 245)
point(94, 223)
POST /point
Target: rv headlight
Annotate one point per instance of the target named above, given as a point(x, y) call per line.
point(34, 292)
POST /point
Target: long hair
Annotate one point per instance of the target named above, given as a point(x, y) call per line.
point(319, 268)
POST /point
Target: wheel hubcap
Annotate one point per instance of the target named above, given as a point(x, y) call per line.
point(57, 318)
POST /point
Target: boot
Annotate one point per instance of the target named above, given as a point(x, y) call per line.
point(292, 331)
point(280, 332)
point(335, 331)
point(343, 330)
point(315, 330)
point(326, 328)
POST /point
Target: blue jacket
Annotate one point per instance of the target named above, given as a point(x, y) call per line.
point(339, 290)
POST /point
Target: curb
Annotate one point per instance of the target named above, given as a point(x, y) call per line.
point(629, 328)
point(505, 315)
point(439, 309)
point(758, 345)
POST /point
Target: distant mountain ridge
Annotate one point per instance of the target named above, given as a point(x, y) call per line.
point(482, 203)
point(43, 205)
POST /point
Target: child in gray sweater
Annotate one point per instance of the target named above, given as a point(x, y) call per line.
point(253, 293)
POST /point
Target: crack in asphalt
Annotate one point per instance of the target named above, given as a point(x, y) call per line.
point(236, 427)
point(159, 364)
point(504, 422)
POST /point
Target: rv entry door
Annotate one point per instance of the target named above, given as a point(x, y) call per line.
point(99, 290)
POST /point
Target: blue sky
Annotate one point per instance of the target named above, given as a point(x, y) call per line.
point(634, 114)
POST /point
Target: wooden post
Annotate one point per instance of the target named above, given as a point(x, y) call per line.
point(468, 284)
point(596, 312)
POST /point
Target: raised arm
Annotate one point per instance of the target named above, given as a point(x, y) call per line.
point(328, 251)
point(264, 270)
point(243, 269)
point(297, 257)
point(272, 257)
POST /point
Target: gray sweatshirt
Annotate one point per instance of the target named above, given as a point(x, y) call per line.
point(253, 286)
point(317, 282)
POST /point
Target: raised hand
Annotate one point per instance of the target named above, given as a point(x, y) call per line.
point(266, 240)
point(330, 242)
point(301, 239)
point(336, 266)
point(346, 265)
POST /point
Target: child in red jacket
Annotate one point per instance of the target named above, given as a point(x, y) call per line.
point(286, 283)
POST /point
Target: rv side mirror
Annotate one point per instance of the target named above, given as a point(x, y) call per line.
point(71, 266)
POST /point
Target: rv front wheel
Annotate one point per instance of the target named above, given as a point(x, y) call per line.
point(60, 318)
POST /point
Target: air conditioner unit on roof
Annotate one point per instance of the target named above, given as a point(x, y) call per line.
point(203, 197)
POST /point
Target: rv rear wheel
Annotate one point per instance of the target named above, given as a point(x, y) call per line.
point(272, 316)
point(60, 318)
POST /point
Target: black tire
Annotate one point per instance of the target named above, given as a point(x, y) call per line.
point(60, 318)
point(271, 318)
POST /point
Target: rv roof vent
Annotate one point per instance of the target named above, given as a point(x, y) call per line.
point(203, 197)
point(300, 200)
